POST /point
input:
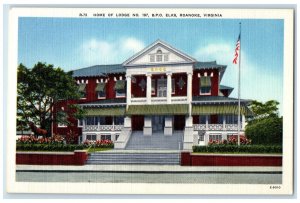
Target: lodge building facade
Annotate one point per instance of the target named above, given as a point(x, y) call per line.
point(159, 90)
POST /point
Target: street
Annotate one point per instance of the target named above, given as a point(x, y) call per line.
point(125, 177)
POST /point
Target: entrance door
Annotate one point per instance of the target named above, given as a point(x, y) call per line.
point(158, 123)
point(162, 87)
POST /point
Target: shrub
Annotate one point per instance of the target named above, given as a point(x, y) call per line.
point(265, 131)
point(225, 148)
point(99, 143)
point(48, 147)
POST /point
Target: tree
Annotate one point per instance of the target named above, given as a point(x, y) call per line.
point(263, 110)
point(39, 89)
point(265, 127)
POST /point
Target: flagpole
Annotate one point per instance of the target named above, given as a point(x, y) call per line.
point(239, 88)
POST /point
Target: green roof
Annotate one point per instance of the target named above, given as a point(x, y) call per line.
point(216, 99)
point(105, 102)
point(105, 111)
point(164, 109)
point(99, 70)
point(219, 109)
point(208, 65)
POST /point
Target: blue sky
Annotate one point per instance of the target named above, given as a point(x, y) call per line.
point(72, 43)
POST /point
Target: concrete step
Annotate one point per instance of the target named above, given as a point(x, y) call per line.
point(134, 158)
point(157, 141)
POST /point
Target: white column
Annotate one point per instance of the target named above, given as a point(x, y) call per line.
point(148, 125)
point(148, 93)
point(224, 123)
point(128, 91)
point(169, 87)
point(189, 92)
point(243, 122)
point(206, 122)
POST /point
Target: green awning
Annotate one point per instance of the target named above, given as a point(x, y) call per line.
point(100, 87)
point(219, 109)
point(105, 111)
point(81, 87)
point(205, 81)
point(164, 109)
point(120, 85)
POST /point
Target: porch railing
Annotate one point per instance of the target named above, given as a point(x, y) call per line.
point(102, 128)
point(216, 127)
point(159, 100)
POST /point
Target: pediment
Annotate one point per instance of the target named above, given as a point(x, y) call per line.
point(158, 53)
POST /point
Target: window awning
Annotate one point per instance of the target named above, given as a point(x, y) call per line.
point(105, 111)
point(100, 87)
point(219, 109)
point(81, 87)
point(165, 109)
point(120, 85)
point(205, 81)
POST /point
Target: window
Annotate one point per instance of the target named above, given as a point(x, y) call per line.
point(119, 120)
point(62, 123)
point(232, 119)
point(159, 56)
point(120, 88)
point(91, 137)
point(220, 119)
point(152, 58)
point(173, 86)
point(100, 90)
point(166, 57)
point(203, 119)
point(82, 90)
point(215, 137)
point(80, 122)
point(105, 137)
point(205, 85)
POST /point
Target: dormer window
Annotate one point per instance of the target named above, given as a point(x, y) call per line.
point(159, 56)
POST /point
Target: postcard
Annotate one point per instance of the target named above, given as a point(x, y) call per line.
point(150, 101)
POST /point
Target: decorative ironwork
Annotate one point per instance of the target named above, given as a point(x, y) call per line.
point(216, 127)
point(231, 126)
point(142, 84)
point(93, 128)
point(181, 83)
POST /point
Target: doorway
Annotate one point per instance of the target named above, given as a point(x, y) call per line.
point(158, 123)
point(162, 87)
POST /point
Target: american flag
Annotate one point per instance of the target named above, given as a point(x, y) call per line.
point(237, 50)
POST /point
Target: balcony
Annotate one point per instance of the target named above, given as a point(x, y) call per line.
point(159, 100)
point(98, 128)
point(217, 127)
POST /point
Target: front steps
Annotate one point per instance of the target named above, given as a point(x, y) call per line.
point(121, 157)
point(157, 141)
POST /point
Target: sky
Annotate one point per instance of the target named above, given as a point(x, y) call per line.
point(73, 43)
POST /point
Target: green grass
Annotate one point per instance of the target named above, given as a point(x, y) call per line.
point(97, 149)
point(236, 153)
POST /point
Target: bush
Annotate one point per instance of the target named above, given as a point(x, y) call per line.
point(48, 147)
point(99, 143)
point(265, 131)
point(222, 148)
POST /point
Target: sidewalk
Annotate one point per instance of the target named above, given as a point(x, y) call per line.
point(148, 169)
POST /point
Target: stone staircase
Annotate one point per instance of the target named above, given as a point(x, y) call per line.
point(157, 141)
point(121, 157)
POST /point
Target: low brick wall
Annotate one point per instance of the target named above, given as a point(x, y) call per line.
point(78, 157)
point(190, 159)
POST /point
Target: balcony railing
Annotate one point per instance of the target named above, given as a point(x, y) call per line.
point(216, 127)
point(89, 128)
point(159, 100)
